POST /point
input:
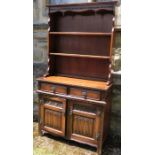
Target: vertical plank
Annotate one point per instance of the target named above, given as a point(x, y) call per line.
point(100, 140)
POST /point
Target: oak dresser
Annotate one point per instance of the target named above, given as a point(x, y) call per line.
point(75, 94)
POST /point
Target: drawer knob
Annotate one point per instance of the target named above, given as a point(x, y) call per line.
point(53, 88)
point(84, 94)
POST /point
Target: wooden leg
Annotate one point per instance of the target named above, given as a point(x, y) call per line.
point(39, 120)
point(41, 132)
point(99, 151)
point(100, 146)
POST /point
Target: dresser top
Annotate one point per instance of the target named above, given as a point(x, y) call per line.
point(100, 85)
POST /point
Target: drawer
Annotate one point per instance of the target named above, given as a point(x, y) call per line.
point(85, 93)
point(53, 88)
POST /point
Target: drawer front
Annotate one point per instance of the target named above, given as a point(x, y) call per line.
point(53, 88)
point(93, 95)
point(85, 93)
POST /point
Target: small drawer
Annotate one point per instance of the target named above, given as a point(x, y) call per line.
point(53, 88)
point(85, 93)
point(94, 95)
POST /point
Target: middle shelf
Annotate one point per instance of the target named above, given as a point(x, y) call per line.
point(82, 33)
point(81, 55)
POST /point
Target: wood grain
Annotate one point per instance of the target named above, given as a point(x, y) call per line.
point(75, 82)
point(75, 93)
point(53, 88)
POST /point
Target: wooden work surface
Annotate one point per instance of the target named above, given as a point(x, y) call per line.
point(76, 82)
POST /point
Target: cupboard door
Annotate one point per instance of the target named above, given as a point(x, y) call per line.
point(84, 123)
point(53, 115)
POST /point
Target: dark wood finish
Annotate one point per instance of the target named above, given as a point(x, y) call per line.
point(85, 123)
point(87, 94)
point(75, 93)
point(81, 44)
point(86, 68)
point(69, 97)
point(53, 88)
point(53, 115)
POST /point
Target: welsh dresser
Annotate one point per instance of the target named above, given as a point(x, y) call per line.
point(74, 95)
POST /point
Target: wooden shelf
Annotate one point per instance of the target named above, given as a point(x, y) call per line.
point(81, 33)
point(75, 82)
point(81, 56)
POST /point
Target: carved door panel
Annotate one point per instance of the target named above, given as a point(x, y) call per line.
point(53, 115)
point(84, 123)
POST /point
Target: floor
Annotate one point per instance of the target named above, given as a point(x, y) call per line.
point(49, 145)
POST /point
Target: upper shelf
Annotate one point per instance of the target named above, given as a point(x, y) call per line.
point(82, 33)
point(81, 56)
